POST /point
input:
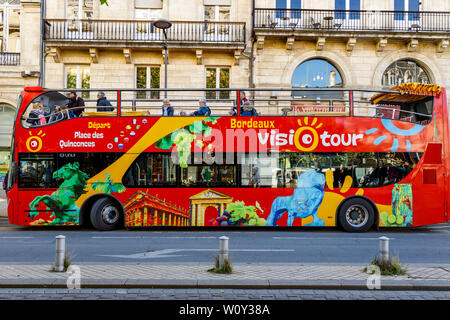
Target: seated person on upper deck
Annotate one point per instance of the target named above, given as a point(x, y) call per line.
point(76, 104)
point(167, 109)
point(37, 115)
point(103, 103)
point(248, 110)
point(204, 110)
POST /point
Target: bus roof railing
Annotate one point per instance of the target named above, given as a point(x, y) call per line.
point(216, 89)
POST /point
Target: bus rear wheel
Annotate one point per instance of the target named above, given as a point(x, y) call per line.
point(105, 215)
point(356, 215)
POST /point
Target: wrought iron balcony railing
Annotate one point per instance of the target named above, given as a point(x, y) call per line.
point(361, 20)
point(140, 30)
point(9, 58)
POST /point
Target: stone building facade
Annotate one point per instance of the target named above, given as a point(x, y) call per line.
point(19, 62)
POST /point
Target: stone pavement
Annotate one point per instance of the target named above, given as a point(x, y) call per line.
point(256, 276)
point(193, 294)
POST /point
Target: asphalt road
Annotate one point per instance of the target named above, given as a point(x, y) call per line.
point(430, 245)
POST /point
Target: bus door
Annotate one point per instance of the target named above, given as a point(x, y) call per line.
point(430, 197)
point(35, 181)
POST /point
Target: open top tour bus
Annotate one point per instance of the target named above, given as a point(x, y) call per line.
point(351, 158)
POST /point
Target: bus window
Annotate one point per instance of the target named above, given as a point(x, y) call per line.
point(44, 109)
point(259, 170)
point(91, 163)
point(209, 175)
point(36, 171)
point(366, 169)
point(151, 169)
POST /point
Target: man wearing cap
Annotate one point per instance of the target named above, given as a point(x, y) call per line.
point(204, 110)
point(103, 102)
point(167, 109)
point(76, 104)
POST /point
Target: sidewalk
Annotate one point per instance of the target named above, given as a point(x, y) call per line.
point(245, 276)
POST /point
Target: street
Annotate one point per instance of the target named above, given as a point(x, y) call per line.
point(425, 246)
point(160, 257)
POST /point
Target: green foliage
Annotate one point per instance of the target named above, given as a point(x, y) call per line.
point(225, 269)
point(104, 2)
point(108, 186)
point(391, 220)
point(389, 268)
point(183, 138)
point(68, 257)
point(246, 214)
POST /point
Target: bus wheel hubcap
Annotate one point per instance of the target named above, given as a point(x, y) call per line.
point(110, 214)
point(357, 215)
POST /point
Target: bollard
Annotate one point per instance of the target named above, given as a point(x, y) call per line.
point(60, 253)
point(223, 250)
point(384, 249)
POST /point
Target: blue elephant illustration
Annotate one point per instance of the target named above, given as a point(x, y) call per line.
point(303, 203)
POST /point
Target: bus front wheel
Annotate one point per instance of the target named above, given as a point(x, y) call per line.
point(356, 215)
point(105, 215)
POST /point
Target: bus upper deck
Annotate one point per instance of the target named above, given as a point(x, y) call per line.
point(408, 102)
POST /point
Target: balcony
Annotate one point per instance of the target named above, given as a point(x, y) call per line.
point(143, 34)
point(9, 59)
point(350, 23)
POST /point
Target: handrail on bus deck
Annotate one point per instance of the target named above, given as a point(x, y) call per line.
point(119, 92)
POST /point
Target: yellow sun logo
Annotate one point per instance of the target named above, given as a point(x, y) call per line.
point(34, 143)
point(306, 137)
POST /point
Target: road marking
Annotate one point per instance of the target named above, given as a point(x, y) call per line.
point(168, 253)
point(16, 237)
point(157, 237)
point(315, 238)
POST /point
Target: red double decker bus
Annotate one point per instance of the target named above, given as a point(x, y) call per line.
point(356, 159)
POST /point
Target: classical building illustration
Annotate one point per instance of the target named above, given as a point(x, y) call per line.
point(144, 209)
point(206, 205)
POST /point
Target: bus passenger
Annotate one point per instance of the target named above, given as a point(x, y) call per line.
point(37, 115)
point(66, 113)
point(103, 102)
point(242, 100)
point(255, 178)
point(248, 110)
point(167, 109)
point(183, 113)
point(204, 110)
point(56, 115)
point(76, 104)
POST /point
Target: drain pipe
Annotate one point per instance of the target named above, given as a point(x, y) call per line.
point(251, 57)
point(42, 53)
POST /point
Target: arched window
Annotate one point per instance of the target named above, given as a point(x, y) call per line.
point(402, 71)
point(316, 73)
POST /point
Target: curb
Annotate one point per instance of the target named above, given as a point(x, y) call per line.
point(390, 285)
